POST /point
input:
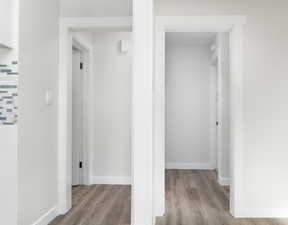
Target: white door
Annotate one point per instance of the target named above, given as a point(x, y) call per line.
point(77, 119)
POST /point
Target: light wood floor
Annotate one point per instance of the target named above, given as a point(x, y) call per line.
point(192, 198)
point(98, 205)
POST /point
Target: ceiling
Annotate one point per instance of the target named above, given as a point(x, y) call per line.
point(190, 38)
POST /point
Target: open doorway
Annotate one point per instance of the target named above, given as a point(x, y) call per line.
point(200, 24)
point(197, 124)
point(98, 156)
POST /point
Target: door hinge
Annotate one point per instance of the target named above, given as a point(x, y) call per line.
point(81, 66)
point(80, 165)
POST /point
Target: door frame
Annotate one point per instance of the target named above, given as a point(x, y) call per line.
point(67, 25)
point(206, 23)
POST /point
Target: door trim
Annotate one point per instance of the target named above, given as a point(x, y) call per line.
point(206, 23)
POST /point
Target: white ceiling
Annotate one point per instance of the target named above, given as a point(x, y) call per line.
point(190, 38)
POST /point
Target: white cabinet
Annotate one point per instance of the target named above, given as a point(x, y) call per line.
point(8, 23)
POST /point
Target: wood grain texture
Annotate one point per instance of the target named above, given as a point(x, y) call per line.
point(194, 197)
point(98, 205)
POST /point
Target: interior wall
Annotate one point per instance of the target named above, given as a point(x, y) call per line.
point(111, 106)
point(265, 109)
point(94, 8)
point(188, 112)
point(223, 42)
point(37, 127)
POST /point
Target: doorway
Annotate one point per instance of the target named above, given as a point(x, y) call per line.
point(200, 24)
point(100, 103)
point(196, 112)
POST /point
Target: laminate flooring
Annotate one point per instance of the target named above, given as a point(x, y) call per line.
point(193, 197)
point(98, 205)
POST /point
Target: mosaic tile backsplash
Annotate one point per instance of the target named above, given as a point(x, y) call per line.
point(8, 94)
point(9, 69)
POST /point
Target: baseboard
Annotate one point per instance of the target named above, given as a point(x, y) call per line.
point(110, 180)
point(190, 166)
point(263, 213)
point(47, 217)
point(224, 181)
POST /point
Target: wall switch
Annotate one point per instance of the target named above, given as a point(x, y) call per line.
point(124, 46)
point(49, 97)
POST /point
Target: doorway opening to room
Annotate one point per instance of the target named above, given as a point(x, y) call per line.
point(197, 25)
point(197, 120)
point(95, 159)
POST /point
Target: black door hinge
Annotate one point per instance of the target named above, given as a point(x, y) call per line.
point(80, 165)
point(81, 66)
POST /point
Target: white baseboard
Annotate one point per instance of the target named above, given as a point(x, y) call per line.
point(224, 181)
point(263, 213)
point(47, 217)
point(110, 180)
point(190, 166)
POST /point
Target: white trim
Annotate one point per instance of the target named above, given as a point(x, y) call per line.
point(190, 166)
point(110, 180)
point(223, 181)
point(92, 23)
point(264, 213)
point(200, 23)
point(47, 217)
point(159, 122)
point(142, 112)
point(64, 101)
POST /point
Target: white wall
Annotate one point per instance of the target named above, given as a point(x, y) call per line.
point(188, 106)
point(111, 103)
point(223, 42)
point(37, 127)
point(265, 112)
point(92, 8)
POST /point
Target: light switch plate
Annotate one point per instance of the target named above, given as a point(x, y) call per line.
point(49, 97)
point(124, 46)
